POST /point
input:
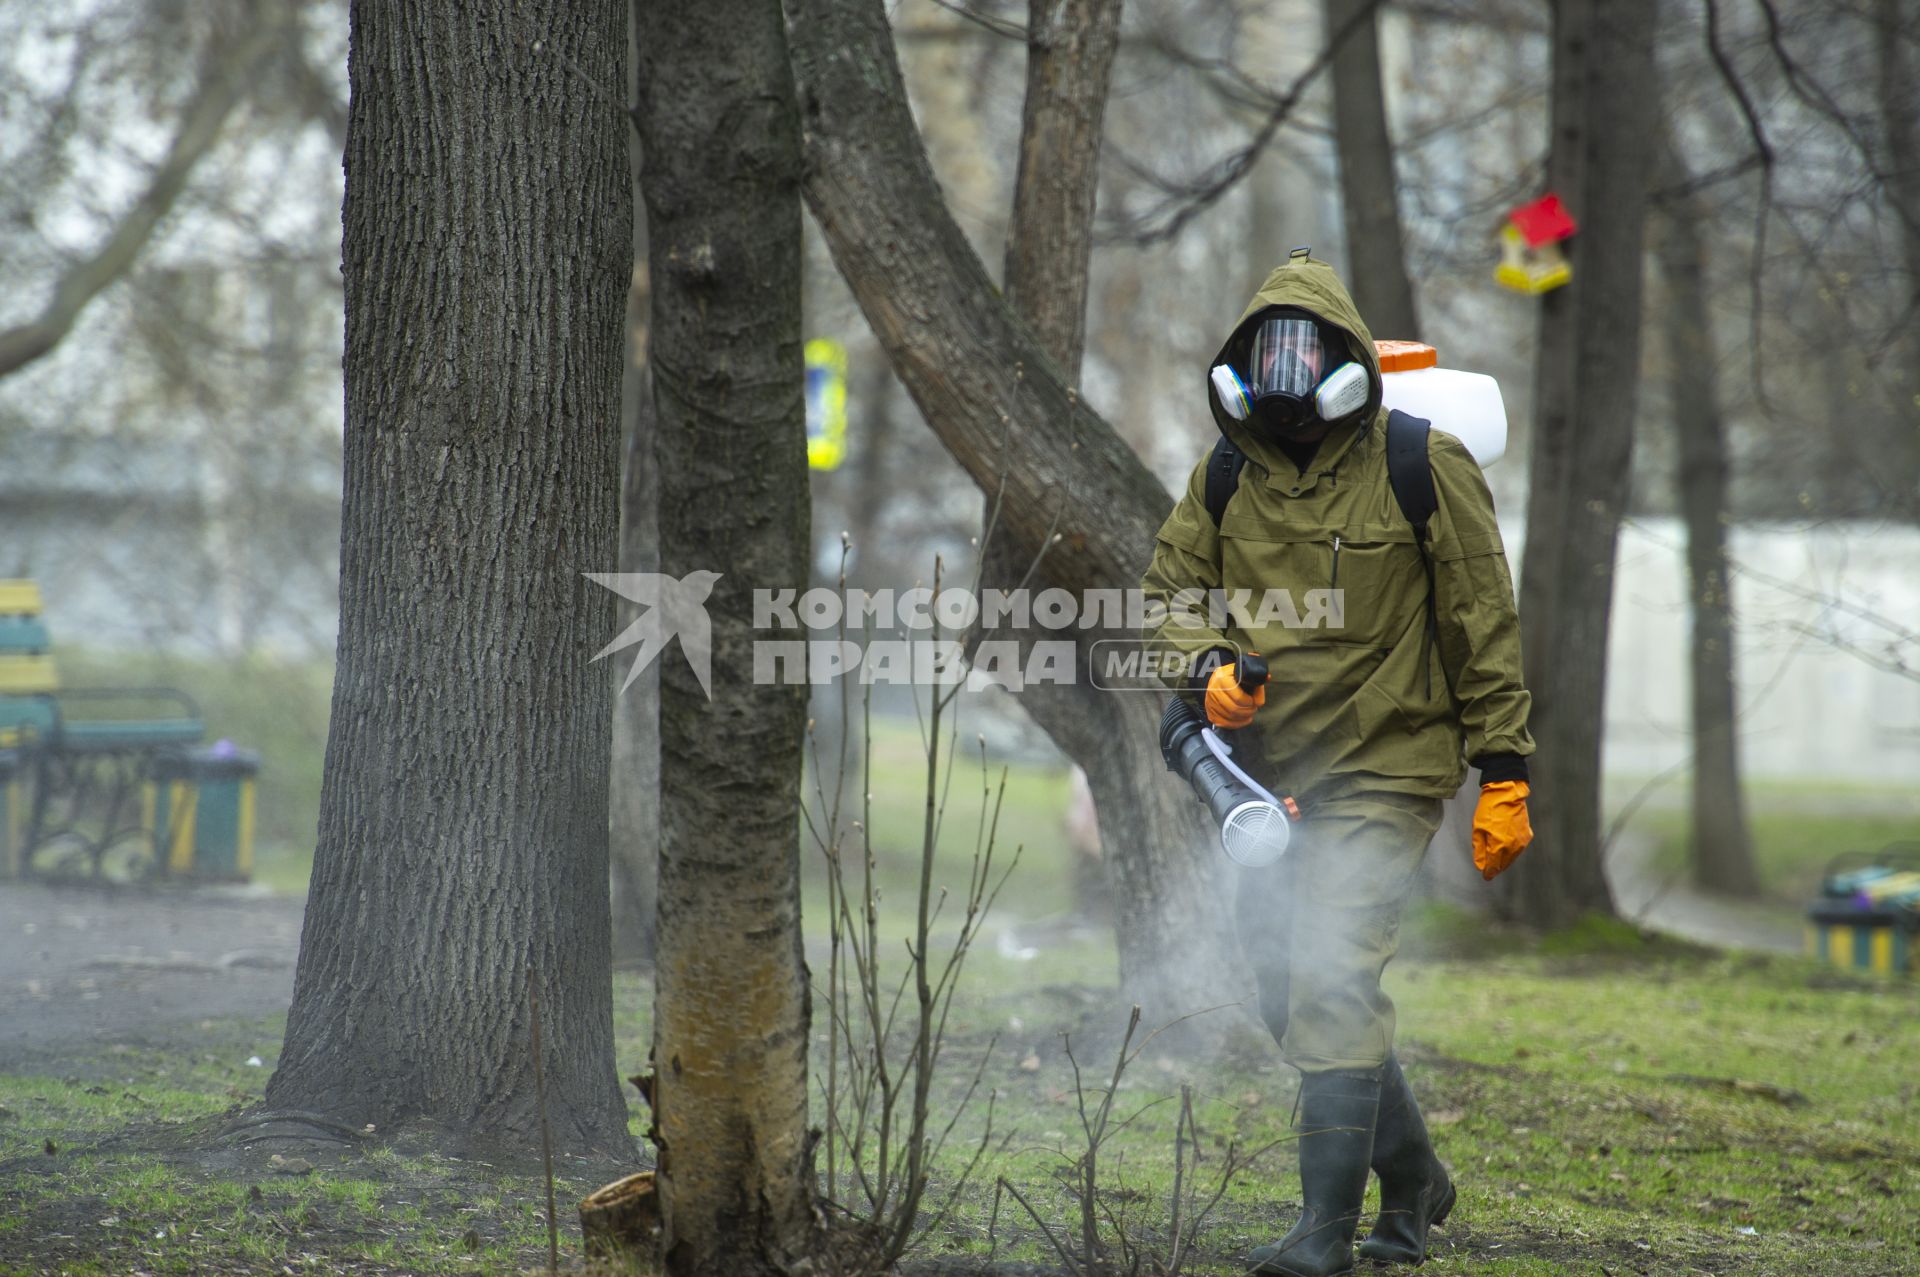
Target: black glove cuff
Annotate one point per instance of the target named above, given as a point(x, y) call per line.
point(1495, 768)
point(1209, 661)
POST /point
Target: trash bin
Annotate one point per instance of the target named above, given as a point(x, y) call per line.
point(1868, 915)
point(199, 812)
point(10, 812)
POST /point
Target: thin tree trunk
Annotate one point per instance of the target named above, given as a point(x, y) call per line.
point(1070, 48)
point(463, 828)
point(1376, 253)
point(1722, 849)
point(721, 139)
point(876, 401)
point(1587, 374)
point(1144, 819)
point(1899, 93)
point(634, 811)
point(1383, 291)
point(999, 404)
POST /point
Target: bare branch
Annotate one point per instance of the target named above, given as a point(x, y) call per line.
point(1169, 218)
point(1763, 149)
point(986, 21)
point(224, 81)
point(1814, 96)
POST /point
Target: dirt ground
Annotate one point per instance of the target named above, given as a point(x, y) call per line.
point(82, 968)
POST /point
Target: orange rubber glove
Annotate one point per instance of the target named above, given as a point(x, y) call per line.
point(1227, 704)
point(1501, 830)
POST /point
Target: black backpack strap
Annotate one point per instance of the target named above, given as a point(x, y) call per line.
point(1409, 472)
point(1223, 476)
point(1410, 475)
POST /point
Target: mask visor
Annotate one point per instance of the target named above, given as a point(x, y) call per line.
point(1287, 358)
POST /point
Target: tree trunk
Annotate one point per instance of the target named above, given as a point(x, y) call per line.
point(874, 399)
point(1587, 373)
point(966, 359)
point(1899, 93)
point(634, 813)
point(463, 832)
point(1070, 48)
point(1376, 255)
point(722, 157)
point(1722, 850)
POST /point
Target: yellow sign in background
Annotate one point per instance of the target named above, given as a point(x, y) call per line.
point(826, 403)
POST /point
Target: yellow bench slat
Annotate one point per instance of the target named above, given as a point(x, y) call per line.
point(18, 597)
point(27, 675)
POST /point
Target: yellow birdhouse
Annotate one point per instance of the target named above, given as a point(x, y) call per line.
point(1531, 259)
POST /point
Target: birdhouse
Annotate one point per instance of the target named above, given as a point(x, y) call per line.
point(1531, 258)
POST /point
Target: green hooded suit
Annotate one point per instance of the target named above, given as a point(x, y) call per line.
point(1370, 717)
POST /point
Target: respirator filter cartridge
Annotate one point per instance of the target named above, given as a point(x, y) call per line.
point(1235, 400)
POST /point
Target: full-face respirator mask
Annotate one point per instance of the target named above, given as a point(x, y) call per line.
point(1290, 382)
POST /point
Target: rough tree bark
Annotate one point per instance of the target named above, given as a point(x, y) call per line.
point(721, 141)
point(1005, 411)
point(462, 829)
point(1722, 848)
point(1588, 367)
point(1376, 252)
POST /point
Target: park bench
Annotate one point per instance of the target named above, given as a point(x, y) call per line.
point(85, 754)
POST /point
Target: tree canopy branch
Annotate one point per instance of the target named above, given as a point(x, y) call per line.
point(1170, 217)
point(223, 83)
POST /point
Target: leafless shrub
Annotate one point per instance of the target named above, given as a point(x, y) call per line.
point(888, 1027)
point(1112, 1239)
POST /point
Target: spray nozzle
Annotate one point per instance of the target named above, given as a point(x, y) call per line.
point(1254, 824)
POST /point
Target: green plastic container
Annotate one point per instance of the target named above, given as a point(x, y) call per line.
point(199, 812)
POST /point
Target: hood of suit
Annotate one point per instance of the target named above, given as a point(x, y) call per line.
point(1311, 286)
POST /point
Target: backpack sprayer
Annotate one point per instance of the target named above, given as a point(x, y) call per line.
point(1255, 826)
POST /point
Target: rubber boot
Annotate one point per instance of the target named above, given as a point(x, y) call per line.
point(1337, 1114)
point(1415, 1191)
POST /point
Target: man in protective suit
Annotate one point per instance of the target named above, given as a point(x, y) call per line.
point(1393, 662)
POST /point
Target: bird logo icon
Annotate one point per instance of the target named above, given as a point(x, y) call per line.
point(669, 607)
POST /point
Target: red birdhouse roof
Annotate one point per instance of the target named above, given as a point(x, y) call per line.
point(1544, 221)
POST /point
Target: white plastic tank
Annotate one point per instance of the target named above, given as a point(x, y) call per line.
point(1467, 405)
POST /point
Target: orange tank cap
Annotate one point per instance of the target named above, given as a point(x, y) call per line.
point(1405, 356)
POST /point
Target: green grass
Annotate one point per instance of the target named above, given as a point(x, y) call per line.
point(1587, 1103)
point(1574, 1093)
